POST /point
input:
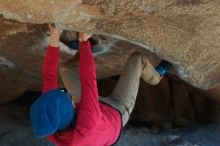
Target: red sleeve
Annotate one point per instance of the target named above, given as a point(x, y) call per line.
point(89, 92)
point(50, 69)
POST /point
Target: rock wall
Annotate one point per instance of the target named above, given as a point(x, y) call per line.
point(154, 121)
point(171, 103)
point(22, 50)
point(184, 32)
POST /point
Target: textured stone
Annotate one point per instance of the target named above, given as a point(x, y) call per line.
point(153, 110)
point(173, 102)
point(22, 49)
point(184, 32)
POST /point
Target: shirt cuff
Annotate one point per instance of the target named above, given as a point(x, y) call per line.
point(49, 46)
point(84, 43)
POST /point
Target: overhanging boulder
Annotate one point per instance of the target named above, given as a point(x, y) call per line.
point(185, 33)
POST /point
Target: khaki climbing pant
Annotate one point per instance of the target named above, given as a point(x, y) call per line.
point(124, 94)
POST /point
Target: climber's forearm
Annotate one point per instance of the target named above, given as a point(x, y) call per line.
point(50, 68)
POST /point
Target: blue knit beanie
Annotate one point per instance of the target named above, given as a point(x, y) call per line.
point(52, 111)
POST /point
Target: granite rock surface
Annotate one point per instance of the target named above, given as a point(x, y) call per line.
point(184, 32)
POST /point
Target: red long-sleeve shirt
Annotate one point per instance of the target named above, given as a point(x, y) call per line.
point(97, 124)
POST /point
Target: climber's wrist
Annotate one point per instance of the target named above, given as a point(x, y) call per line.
point(54, 43)
point(82, 40)
point(83, 37)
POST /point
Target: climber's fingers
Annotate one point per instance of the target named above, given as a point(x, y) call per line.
point(84, 36)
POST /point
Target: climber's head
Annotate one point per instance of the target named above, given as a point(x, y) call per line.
point(51, 112)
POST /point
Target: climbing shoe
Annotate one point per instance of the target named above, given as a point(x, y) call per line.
point(163, 67)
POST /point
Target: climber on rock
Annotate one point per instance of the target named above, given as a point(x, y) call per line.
point(92, 120)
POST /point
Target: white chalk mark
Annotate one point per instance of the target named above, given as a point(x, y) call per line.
point(67, 50)
point(6, 63)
